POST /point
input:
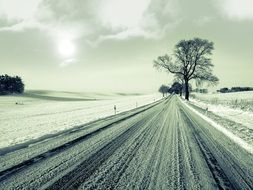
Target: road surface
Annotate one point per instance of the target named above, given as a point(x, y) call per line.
point(160, 146)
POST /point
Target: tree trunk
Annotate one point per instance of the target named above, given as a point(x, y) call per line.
point(187, 93)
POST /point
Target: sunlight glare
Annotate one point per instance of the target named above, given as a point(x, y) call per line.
point(66, 48)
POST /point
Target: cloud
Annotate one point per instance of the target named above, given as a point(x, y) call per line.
point(122, 13)
point(21, 26)
point(19, 10)
point(19, 15)
point(95, 20)
point(236, 9)
point(68, 62)
point(145, 18)
point(39, 14)
point(126, 34)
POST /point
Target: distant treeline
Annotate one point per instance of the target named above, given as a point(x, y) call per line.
point(11, 85)
point(176, 88)
point(235, 89)
point(201, 90)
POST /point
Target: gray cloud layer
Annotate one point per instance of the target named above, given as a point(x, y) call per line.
point(119, 36)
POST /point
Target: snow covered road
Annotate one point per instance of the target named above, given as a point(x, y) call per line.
point(163, 145)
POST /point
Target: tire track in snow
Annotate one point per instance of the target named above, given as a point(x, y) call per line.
point(224, 167)
point(134, 167)
point(76, 177)
point(115, 170)
point(111, 179)
point(142, 166)
point(218, 174)
point(151, 173)
point(189, 174)
point(172, 165)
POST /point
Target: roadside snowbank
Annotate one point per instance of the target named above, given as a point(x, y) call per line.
point(228, 133)
point(239, 116)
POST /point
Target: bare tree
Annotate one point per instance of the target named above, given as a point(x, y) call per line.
point(179, 79)
point(176, 87)
point(191, 62)
point(163, 89)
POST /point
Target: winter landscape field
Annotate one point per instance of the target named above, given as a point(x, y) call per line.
point(126, 95)
point(236, 100)
point(160, 145)
point(39, 113)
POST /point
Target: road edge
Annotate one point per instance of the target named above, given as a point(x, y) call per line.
point(222, 129)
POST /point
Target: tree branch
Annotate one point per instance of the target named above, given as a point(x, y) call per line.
point(166, 62)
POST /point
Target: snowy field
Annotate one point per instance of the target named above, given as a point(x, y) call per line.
point(238, 120)
point(38, 113)
point(238, 100)
point(224, 106)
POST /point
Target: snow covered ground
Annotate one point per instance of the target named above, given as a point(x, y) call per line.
point(238, 100)
point(238, 121)
point(165, 147)
point(38, 113)
point(240, 141)
point(225, 109)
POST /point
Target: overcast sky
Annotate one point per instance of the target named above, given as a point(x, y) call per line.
point(110, 45)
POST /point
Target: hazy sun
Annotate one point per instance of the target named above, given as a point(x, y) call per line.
point(66, 48)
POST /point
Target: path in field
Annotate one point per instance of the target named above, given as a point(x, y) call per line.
point(160, 146)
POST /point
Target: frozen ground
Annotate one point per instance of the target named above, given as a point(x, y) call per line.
point(236, 138)
point(39, 113)
point(235, 100)
point(239, 121)
point(224, 106)
point(164, 145)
